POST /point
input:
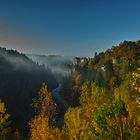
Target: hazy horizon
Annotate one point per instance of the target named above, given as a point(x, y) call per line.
point(67, 27)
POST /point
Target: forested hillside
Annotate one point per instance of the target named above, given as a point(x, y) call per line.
point(103, 94)
point(20, 80)
point(108, 69)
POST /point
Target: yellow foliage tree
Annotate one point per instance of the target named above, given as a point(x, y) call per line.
point(42, 126)
point(4, 123)
point(135, 84)
point(129, 91)
point(41, 130)
point(78, 120)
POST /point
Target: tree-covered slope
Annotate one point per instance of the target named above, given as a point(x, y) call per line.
point(20, 81)
point(108, 69)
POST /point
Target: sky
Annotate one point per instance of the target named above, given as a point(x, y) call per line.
point(68, 27)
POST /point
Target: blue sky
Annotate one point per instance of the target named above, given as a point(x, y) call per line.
point(68, 27)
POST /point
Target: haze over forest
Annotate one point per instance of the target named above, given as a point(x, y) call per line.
point(69, 70)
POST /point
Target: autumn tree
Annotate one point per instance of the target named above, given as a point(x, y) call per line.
point(77, 119)
point(110, 121)
point(42, 126)
point(129, 92)
point(4, 122)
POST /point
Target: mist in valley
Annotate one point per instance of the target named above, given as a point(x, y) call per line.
point(59, 65)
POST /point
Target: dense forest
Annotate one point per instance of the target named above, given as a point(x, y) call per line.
point(20, 80)
point(98, 100)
